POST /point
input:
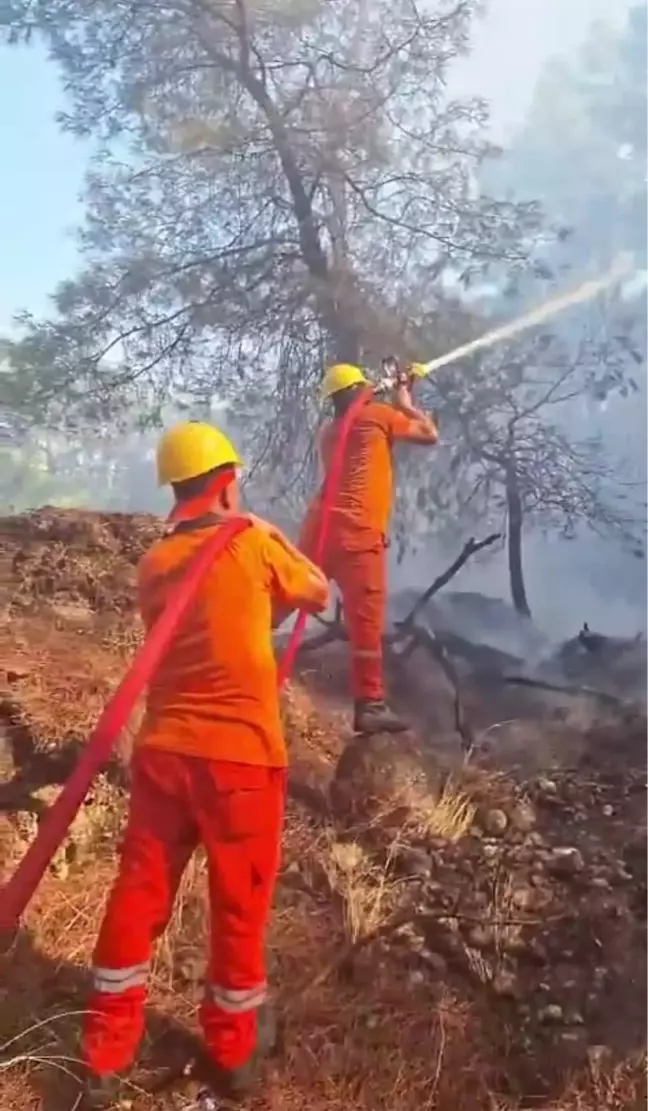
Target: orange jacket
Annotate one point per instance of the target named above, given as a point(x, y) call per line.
point(363, 504)
point(215, 692)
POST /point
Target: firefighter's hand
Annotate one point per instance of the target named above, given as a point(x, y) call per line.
point(403, 397)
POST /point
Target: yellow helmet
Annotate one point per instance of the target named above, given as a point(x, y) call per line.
point(339, 377)
point(191, 449)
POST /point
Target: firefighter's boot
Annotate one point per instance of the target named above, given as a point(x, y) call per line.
point(376, 717)
point(236, 1083)
point(102, 1092)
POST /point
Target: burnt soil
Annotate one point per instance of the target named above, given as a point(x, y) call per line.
point(477, 953)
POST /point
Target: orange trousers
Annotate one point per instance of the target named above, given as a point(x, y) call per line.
point(357, 563)
point(177, 802)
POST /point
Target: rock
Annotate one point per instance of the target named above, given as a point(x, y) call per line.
point(608, 811)
point(546, 786)
point(573, 1037)
point(551, 1014)
point(416, 978)
point(385, 776)
point(59, 866)
point(596, 1055)
point(536, 951)
point(409, 936)
point(493, 822)
point(566, 861)
point(432, 888)
point(435, 962)
point(522, 897)
point(505, 984)
point(523, 816)
point(481, 937)
point(415, 862)
point(415, 943)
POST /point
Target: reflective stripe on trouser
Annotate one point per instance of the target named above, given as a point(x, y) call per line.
point(236, 1002)
point(362, 579)
point(177, 802)
point(115, 981)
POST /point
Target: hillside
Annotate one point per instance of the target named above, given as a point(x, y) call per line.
point(451, 936)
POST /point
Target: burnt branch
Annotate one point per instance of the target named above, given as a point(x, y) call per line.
point(470, 549)
point(423, 638)
point(335, 630)
point(604, 697)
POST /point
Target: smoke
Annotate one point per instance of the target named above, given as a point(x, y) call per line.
point(585, 579)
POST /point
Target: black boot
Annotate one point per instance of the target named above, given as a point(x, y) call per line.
point(101, 1092)
point(236, 1083)
point(376, 717)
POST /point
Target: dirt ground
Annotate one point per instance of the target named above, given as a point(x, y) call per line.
point(445, 936)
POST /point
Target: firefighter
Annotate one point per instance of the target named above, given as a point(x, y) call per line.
point(356, 544)
point(209, 768)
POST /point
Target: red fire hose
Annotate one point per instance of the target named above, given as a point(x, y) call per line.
point(19, 889)
point(331, 486)
point(16, 894)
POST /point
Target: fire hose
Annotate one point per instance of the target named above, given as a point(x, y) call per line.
point(18, 891)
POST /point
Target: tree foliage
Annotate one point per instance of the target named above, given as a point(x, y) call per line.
point(278, 184)
point(511, 459)
point(283, 183)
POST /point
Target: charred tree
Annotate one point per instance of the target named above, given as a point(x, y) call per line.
point(515, 521)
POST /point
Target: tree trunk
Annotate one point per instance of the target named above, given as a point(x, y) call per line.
point(514, 544)
point(343, 334)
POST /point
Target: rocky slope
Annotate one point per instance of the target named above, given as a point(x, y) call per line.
point(466, 937)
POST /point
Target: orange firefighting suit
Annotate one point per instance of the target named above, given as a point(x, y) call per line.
point(357, 535)
point(209, 768)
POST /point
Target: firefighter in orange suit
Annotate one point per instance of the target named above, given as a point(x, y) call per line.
point(209, 768)
point(355, 553)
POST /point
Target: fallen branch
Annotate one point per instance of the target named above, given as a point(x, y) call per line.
point(469, 549)
point(414, 636)
point(320, 640)
point(588, 692)
point(335, 630)
point(423, 638)
point(336, 621)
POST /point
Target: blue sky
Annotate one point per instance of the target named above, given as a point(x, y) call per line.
point(41, 177)
point(42, 168)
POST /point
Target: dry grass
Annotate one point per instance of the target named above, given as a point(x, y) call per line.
point(378, 1037)
point(449, 816)
point(364, 1037)
point(57, 683)
point(367, 892)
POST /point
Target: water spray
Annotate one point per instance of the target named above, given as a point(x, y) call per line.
point(621, 269)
